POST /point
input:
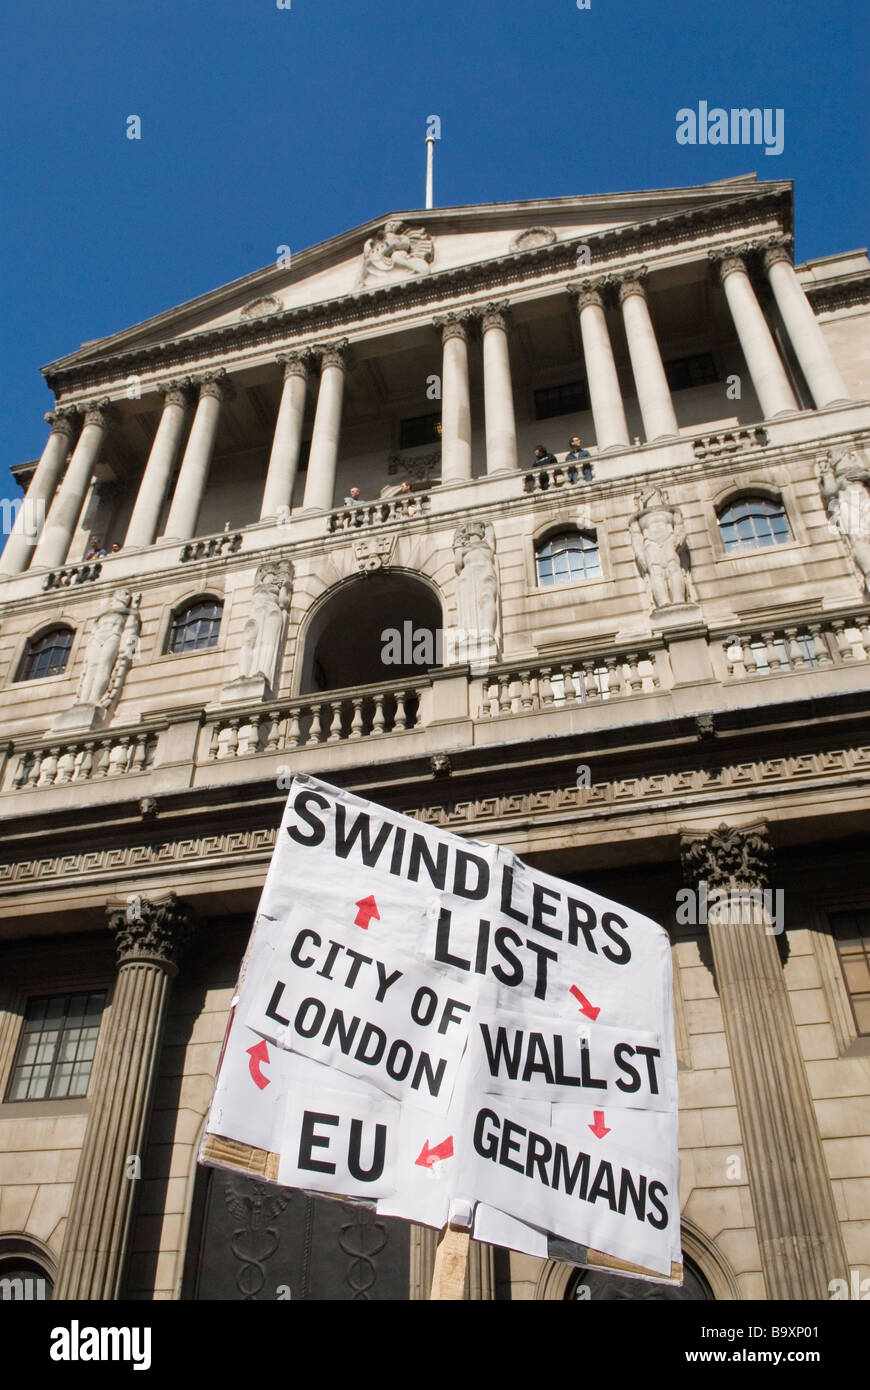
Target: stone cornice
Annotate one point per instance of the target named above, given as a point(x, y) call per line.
point(487, 277)
point(843, 292)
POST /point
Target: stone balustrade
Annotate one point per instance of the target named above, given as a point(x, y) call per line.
point(208, 547)
point(406, 507)
point(71, 574)
point(711, 446)
point(773, 649)
point(575, 681)
point(336, 716)
point(84, 760)
point(558, 475)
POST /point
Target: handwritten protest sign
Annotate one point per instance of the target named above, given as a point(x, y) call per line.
point(427, 1023)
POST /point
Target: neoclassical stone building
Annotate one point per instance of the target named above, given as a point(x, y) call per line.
point(645, 670)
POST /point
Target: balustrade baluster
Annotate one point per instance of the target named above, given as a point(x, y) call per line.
point(774, 660)
point(844, 646)
point(335, 723)
point(635, 679)
point(545, 688)
point(294, 733)
point(137, 762)
point(526, 701)
point(378, 716)
point(820, 643)
point(315, 733)
point(356, 724)
point(795, 656)
point(614, 675)
point(273, 736)
point(48, 770)
point(749, 658)
point(590, 682)
point(401, 721)
point(65, 766)
point(568, 686)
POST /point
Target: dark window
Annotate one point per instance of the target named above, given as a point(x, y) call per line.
point(683, 372)
point(196, 626)
point(572, 555)
point(420, 429)
point(561, 400)
point(753, 522)
point(852, 935)
point(57, 1045)
point(46, 655)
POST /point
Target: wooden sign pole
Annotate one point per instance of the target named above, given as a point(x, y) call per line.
point(451, 1260)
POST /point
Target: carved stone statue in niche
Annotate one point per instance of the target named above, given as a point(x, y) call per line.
point(396, 248)
point(658, 538)
point(476, 591)
point(108, 657)
point(263, 634)
point(844, 491)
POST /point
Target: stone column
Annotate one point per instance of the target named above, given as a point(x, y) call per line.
point(57, 534)
point(322, 461)
point(193, 476)
point(31, 516)
point(148, 938)
point(287, 440)
point(605, 397)
point(498, 396)
point(455, 402)
point(772, 386)
point(158, 470)
point(653, 392)
point(798, 1231)
point(805, 334)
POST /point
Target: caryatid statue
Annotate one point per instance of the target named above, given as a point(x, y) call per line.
point(110, 651)
point(396, 247)
point(263, 635)
point(658, 538)
point(476, 587)
point(844, 492)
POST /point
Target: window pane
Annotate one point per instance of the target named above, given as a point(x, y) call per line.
point(56, 1047)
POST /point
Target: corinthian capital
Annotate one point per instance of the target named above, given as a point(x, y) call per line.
point(176, 392)
point(496, 315)
point(295, 363)
point(335, 355)
point(594, 291)
point(99, 413)
point(633, 282)
point(62, 421)
point(728, 857)
point(454, 325)
point(777, 248)
point(217, 384)
point(155, 932)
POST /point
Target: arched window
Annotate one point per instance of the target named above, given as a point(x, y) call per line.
point(568, 556)
point(46, 655)
point(753, 522)
point(196, 626)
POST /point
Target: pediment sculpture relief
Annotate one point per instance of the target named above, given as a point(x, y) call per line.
point(396, 250)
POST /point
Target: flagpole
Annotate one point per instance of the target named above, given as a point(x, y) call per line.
point(430, 160)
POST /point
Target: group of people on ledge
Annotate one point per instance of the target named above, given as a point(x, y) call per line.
point(576, 454)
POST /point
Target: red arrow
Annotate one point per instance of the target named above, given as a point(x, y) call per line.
point(599, 1129)
point(585, 1007)
point(429, 1156)
point(258, 1054)
point(368, 909)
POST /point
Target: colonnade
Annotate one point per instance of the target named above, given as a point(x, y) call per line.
point(60, 483)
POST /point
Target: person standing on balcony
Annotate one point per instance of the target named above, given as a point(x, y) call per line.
point(543, 455)
point(577, 454)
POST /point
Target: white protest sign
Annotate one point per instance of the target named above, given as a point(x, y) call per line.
point(423, 1020)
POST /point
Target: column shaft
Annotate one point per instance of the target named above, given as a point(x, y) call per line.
point(155, 481)
point(498, 396)
point(99, 1223)
point(193, 475)
point(772, 386)
point(605, 397)
point(323, 459)
point(653, 392)
point(798, 1231)
point(455, 402)
point(804, 331)
point(287, 440)
point(31, 516)
point(57, 534)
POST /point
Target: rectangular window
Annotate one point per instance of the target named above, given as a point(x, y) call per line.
point(568, 399)
point(683, 372)
point(852, 934)
point(420, 429)
point(56, 1048)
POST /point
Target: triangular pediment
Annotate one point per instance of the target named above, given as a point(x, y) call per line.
point(409, 246)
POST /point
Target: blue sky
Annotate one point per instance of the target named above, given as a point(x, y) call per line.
point(264, 127)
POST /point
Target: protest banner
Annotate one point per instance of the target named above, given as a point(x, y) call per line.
point(425, 1023)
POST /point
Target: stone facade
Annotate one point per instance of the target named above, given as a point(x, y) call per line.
point(689, 702)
